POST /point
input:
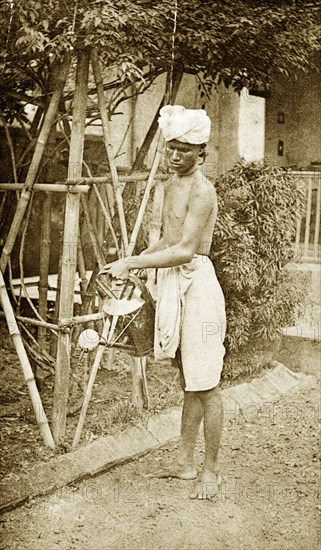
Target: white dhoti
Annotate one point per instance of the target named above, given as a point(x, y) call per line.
point(190, 314)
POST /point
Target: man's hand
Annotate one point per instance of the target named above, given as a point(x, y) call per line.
point(117, 270)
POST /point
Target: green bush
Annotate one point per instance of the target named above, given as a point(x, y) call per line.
point(258, 209)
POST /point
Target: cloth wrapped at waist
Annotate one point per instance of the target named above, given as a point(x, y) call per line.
point(172, 285)
point(190, 314)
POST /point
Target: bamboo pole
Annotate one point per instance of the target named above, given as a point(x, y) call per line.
point(317, 222)
point(35, 322)
point(86, 303)
point(139, 381)
point(81, 319)
point(21, 258)
point(36, 120)
point(69, 253)
point(3, 204)
point(81, 266)
point(100, 231)
point(142, 208)
point(177, 78)
point(90, 385)
point(140, 394)
point(35, 163)
point(11, 148)
point(125, 178)
point(47, 187)
point(25, 365)
point(40, 357)
point(44, 263)
point(53, 342)
point(94, 241)
point(108, 146)
point(107, 217)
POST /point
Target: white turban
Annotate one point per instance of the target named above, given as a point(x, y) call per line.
point(186, 125)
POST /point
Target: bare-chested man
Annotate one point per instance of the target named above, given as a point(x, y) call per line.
point(190, 311)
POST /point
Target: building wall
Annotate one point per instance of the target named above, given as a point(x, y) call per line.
point(251, 128)
point(131, 124)
point(293, 117)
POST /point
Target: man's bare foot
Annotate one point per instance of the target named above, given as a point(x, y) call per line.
point(207, 487)
point(186, 472)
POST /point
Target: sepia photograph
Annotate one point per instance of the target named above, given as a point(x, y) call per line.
point(160, 274)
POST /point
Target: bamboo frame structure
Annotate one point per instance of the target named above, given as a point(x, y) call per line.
point(75, 189)
point(69, 254)
point(35, 163)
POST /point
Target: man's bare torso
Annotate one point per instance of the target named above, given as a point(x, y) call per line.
point(180, 192)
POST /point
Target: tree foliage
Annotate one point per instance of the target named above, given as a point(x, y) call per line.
point(239, 42)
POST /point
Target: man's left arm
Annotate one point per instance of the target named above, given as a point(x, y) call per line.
point(182, 252)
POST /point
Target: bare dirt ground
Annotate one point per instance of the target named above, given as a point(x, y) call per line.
point(270, 464)
point(269, 498)
point(109, 412)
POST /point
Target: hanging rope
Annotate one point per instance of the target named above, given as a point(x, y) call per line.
point(171, 74)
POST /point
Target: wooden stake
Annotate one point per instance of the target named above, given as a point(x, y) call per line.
point(25, 365)
point(35, 163)
point(69, 253)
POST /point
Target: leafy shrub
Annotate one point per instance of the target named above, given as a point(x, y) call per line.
point(258, 209)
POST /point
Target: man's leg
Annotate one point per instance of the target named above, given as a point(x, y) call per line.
point(207, 485)
point(191, 419)
point(183, 466)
